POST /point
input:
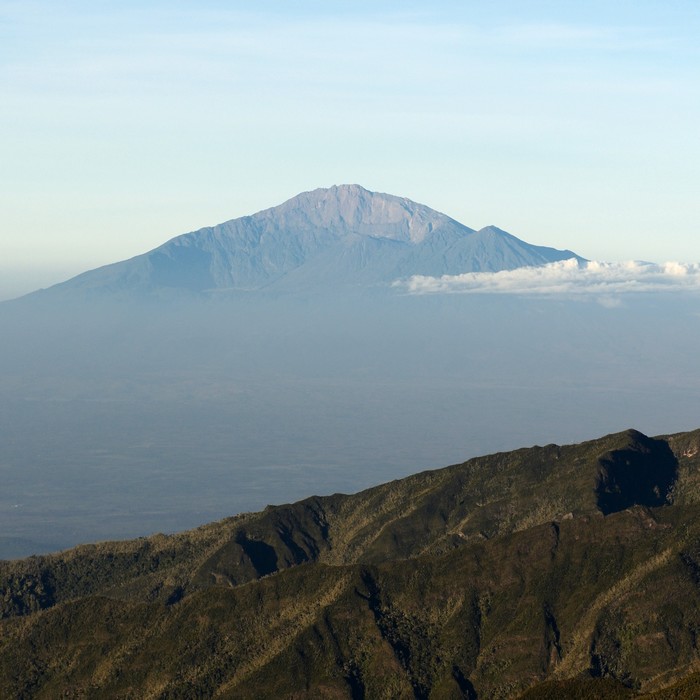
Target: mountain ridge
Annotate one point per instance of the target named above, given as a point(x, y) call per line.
point(508, 574)
point(342, 236)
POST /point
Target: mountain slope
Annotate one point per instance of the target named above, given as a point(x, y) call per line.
point(341, 236)
point(547, 568)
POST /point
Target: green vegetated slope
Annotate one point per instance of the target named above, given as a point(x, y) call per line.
point(549, 572)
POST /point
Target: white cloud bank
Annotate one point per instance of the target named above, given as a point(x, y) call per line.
point(566, 278)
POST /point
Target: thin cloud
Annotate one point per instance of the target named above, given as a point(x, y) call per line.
point(550, 35)
point(603, 280)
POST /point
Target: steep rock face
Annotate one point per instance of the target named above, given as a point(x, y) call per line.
point(643, 473)
point(348, 209)
point(480, 580)
point(341, 236)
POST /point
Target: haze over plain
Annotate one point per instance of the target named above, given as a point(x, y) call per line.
point(569, 126)
point(134, 401)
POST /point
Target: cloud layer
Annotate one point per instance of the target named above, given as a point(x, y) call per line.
point(566, 278)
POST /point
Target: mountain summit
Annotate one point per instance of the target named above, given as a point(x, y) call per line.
point(351, 209)
point(341, 236)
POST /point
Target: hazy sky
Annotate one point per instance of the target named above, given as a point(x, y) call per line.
point(125, 123)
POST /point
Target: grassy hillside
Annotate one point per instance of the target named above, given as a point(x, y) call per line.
point(553, 571)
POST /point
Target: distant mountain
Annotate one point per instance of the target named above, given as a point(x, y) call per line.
point(341, 236)
point(554, 572)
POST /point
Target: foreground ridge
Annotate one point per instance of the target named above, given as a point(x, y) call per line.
point(556, 571)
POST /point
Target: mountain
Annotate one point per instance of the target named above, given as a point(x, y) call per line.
point(341, 236)
point(548, 572)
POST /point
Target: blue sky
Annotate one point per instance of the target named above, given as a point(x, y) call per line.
point(123, 124)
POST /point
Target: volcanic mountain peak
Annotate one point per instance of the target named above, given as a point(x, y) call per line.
point(341, 237)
